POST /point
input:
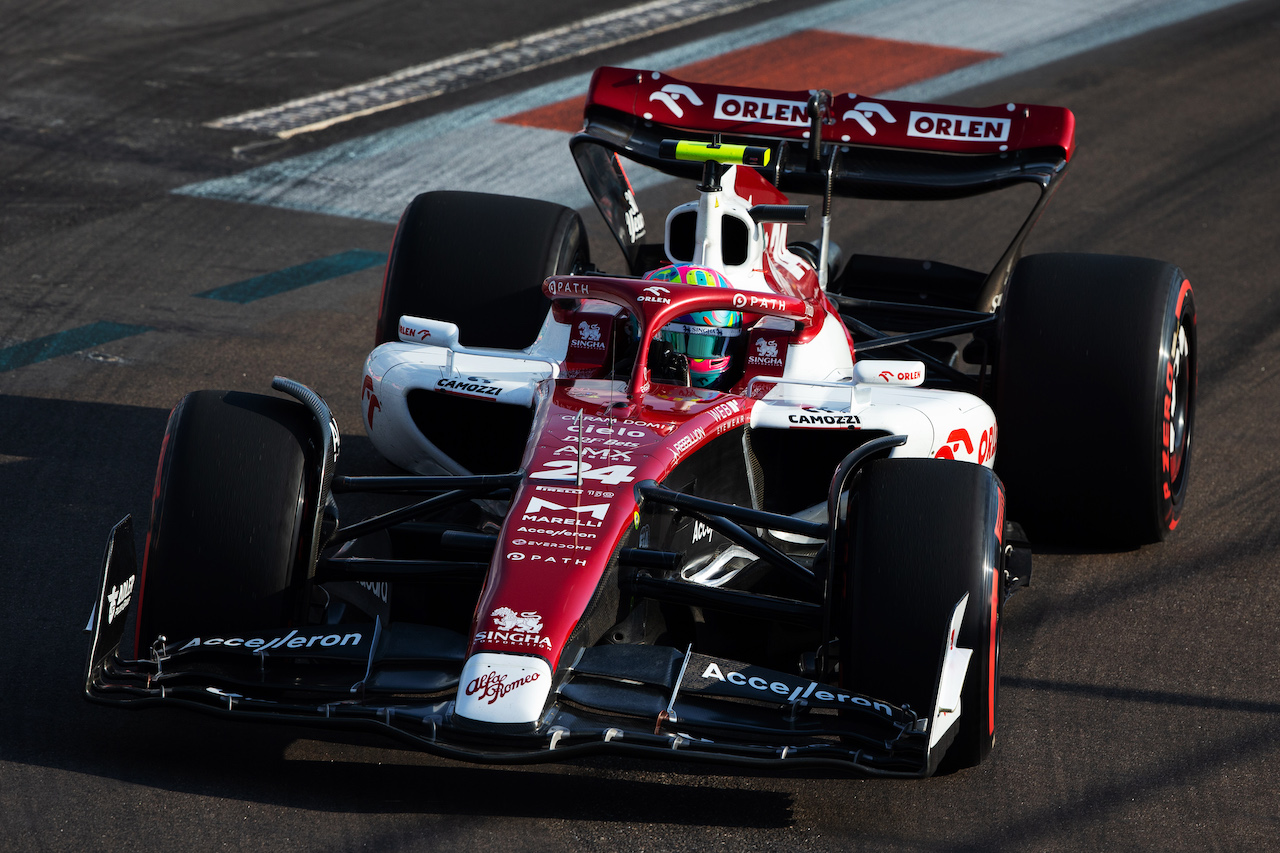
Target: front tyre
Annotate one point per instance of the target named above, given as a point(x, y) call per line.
point(926, 533)
point(228, 546)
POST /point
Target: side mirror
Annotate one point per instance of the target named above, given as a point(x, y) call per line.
point(792, 214)
point(437, 333)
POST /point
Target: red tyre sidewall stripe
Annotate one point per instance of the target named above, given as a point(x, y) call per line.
point(1182, 294)
point(994, 574)
point(386, 277)
point(155, 508)
point(991, 656)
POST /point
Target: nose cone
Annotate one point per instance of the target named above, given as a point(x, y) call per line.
point(498, 688)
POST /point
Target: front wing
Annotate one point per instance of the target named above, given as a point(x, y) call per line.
point(401, 680)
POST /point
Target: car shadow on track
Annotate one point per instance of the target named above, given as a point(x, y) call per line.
point(186, 753)
point(68, 471)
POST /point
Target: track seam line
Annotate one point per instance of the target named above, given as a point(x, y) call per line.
point(470, 68)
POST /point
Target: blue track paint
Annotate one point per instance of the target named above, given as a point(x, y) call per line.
point(312, 272)
point(65, 343)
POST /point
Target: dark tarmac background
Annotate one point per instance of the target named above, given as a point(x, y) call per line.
point(1140, 690)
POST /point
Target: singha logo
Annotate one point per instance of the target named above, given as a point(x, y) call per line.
point(589, 331)
point(765, 354)
point(506, 619)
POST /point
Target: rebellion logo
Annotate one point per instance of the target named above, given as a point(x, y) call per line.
point(688, 441)
point(493, 686)
point(958, 128)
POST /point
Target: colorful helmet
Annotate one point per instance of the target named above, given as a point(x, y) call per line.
point(706, 337)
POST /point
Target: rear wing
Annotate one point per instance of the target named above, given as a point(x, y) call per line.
point(868, 147)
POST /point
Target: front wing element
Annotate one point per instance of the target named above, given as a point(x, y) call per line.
point(401, 680)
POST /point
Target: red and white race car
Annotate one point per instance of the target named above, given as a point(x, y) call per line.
point(741, 501)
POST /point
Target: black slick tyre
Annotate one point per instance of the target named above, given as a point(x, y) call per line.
point(228, 546)
point(926, 533)
point(1096, 386)
point(479, 260)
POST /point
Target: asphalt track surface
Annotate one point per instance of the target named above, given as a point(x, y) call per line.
point(1140, 690)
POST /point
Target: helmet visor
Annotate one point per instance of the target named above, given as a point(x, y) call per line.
point(699, 341)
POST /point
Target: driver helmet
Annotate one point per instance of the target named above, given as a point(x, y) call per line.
point(705, 337)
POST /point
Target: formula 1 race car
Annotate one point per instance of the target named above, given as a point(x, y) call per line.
point(740, 502)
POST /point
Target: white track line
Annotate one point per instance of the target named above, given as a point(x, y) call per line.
point(462, 70)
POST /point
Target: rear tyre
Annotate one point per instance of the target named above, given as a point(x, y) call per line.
point(1096, 387)
point(478, 261)
point(228, 547)
point(926, 533)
